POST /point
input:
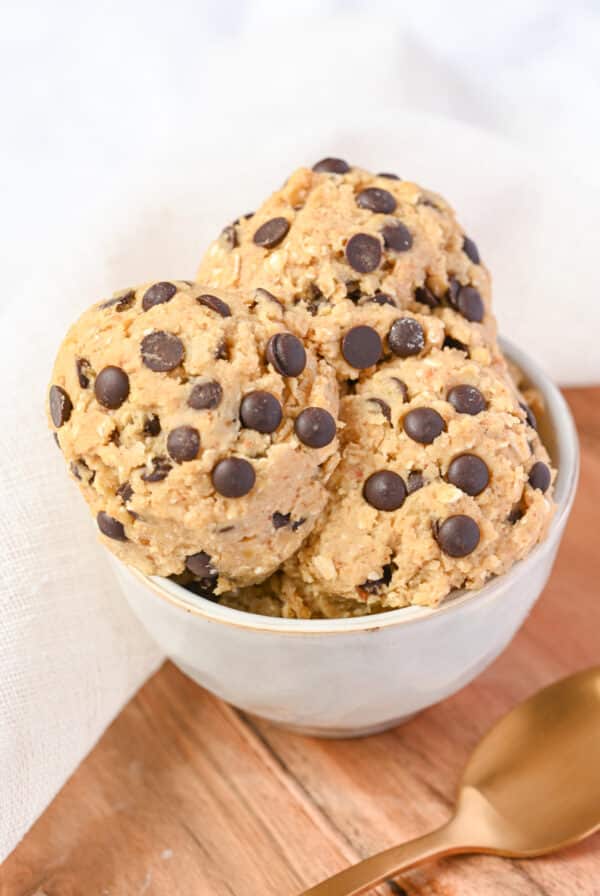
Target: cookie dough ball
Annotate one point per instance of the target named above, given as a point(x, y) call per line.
point(443, 483)
point(342, 247)
point(201, 435)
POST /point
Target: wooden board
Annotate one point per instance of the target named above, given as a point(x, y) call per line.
point(184, 795)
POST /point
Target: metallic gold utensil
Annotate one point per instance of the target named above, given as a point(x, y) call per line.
point(531, 787)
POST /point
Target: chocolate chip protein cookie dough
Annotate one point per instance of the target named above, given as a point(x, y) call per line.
point(326, 426)
point(200, 431)
point(443, 483)
point(368, 266)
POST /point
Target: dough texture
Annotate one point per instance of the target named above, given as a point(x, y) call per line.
point(360, 559)
point(145, 443)
point(324, 425)
point(405, 240)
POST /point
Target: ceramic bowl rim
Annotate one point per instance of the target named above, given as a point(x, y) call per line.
point(567, 446)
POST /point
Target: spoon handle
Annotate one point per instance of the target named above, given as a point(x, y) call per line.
point(386, 864)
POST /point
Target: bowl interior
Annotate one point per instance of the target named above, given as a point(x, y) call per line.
point(560, 437)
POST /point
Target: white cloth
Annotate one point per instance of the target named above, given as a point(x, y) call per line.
point(132, 133)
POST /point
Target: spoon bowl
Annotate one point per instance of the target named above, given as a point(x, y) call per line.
point(537, 772)
point(531, 786)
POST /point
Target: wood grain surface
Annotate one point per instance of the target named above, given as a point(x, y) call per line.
point(184, 795)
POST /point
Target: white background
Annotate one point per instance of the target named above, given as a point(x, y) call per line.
point(130, 132)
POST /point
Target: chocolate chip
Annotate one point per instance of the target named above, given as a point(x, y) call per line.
point(313, 306)
point(469, 473)
point(424, 296)
point(516, 513)
point(201, 566)
point(315, 427)
point(458, 535)
point(80, 470)
point(158, 294)
point(161, 467)
point(82, 366)
point(115, 436)
point(361, 347)
point(233, 477)
point(466, 399)
point(451, 342)
point(215, 304)
point(332, 166)
point(162, 351)
point(353, 291)
point(380, 298)
point(471, 250)
point(125, 492)
point(120, 303)
point(280, 520)
point(205, 396)
point(424, 425)
point(204, 588)
point(313, 299)
point(183, 443)
point(388, 175)
point(470, 304)
point(540, 476)
point(152, 425)
point(383, 407)
point(222, 352)
point(401, 385)
point(61, 406)
point(385, 490)
point(286, 353)
point(397, 237)
point(374, 586)
point(414, 481)
point(265, 295)
point(271, 233)
point(111, 527)
point(452, 292)
point(111, 387)
point(260, 411)
point(406, 337)
point(376, 200)
point(363, 252)
point(529, 415)
point(229, 237)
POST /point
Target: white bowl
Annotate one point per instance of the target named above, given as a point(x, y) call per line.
point(350, 677)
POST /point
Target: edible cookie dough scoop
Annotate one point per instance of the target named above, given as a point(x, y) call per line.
point(201, 432)
point(443, 483)
point(531, 787)
point(365, 263)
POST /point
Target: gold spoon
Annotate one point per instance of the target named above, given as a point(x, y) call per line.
point(531, 787)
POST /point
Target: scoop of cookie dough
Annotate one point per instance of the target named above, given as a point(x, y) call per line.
point(443, 483)
point(343, 248)
point(200, 434)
